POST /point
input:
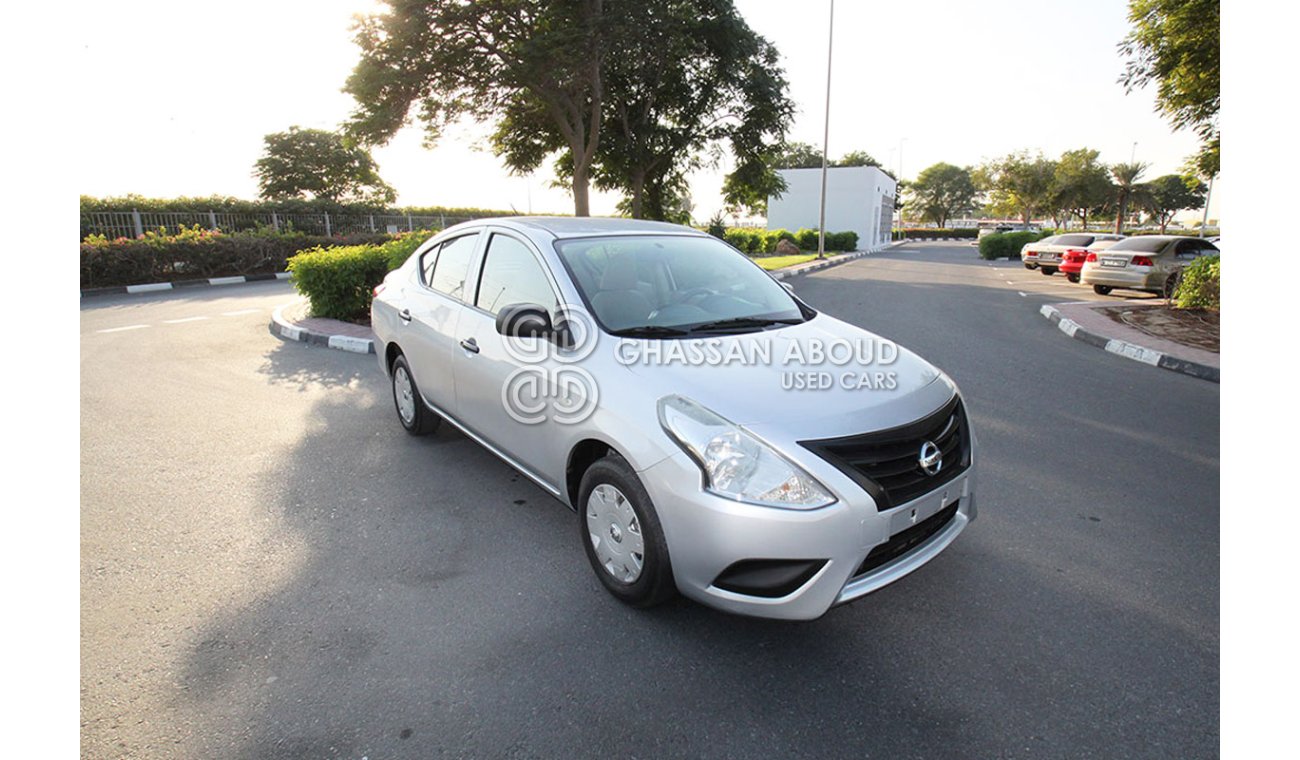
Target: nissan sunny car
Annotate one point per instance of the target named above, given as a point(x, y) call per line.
point(715, 435)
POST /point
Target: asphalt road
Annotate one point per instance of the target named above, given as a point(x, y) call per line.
point(271, 568)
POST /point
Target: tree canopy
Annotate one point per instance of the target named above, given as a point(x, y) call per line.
point(317, 164)
point(1081, 183)
point(1175, 44)
point(629, 96)
point(1018, 183)
point(941, 192)
point(1165, 196)
point(1126, 187)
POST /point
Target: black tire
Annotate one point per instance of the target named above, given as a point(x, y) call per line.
point(654, 584)
point(1171, 284)
point(1101, 290)
point(418, 420)
point(1049, 271)
point(1030, 267)
point(1072, 278)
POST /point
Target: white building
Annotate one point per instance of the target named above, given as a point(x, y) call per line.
point(858, 199)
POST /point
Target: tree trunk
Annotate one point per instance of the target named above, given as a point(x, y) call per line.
point(581, 204)
point(638, 194)
point(1119, 217)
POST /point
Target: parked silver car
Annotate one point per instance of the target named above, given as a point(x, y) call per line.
point(715, 434)
point(1150, 263)
point(1045, 255)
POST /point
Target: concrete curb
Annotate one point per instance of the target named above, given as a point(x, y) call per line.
point(281, 328)
point(153, 287)
point(1130, 350)
point(817, 266)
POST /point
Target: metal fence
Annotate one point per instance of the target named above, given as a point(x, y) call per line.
point(133, 224)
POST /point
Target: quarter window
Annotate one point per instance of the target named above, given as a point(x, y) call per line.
point(447, 271)
point(511, 275)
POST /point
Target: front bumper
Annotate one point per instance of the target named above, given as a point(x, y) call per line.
point(708, 534)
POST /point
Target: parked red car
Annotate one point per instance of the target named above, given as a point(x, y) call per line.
point(1073, 258)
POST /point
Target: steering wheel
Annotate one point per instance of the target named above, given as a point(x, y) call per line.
point(694, 294)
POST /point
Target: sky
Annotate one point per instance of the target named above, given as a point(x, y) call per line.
point(186, 91)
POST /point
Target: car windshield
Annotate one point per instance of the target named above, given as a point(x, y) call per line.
point(665, 285)
point(1140, 244)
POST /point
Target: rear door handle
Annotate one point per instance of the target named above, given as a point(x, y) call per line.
point(404, 315)
point(470, 345)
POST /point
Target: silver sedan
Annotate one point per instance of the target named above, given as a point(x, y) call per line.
point(715, 434)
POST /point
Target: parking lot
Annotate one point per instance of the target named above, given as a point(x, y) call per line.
point(270, 567)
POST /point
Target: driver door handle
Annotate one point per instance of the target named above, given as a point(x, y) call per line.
point(404, 315)
point(470, 345)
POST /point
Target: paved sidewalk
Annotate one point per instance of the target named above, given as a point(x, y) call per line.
point(1082, 321)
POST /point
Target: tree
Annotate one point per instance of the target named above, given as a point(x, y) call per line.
point(504, 59)
point(314, 163)
point(1175, 43)
point(798, 155)
point(1082, 183)
point(1165, 196)
point(1126, 183)
point(686, 79)
point(940, 192)
point(856, 158)
point(1018, 183)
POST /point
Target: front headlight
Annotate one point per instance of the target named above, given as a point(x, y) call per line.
point(737, 465)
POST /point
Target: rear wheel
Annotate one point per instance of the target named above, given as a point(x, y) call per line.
point(1072, 277)
point(1171, 284)
point(416, 419)
point(1029, 266)
point(1049, 271)
point(622, 536)
point(1101, 290)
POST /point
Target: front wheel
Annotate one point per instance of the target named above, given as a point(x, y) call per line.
point(1101, 290)
point(416, 419)
point(622, 536)
point(1072, 278)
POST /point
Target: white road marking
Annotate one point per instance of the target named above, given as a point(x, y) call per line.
point(1009, 282)
point(178, 321)
point(1023, 294)
point(239, 313)
point(121, 329)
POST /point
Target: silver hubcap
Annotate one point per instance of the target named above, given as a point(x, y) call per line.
point(404, 395)
point(615, 533)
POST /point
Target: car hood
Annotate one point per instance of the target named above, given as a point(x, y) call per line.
point(822, 376)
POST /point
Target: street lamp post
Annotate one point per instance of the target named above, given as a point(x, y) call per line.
point(826, 136)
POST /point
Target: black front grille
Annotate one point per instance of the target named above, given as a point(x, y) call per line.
point(907, 540)
point(887, 463)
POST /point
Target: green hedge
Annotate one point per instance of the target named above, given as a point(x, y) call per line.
point(1007, 245)
point(339, 281)
point(1198, 288)
point(930, 233)
point(754, 241)
point(228, 205)
point(196, 254)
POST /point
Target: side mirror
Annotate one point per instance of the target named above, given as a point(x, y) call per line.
point(524, 320)
point(788, 287)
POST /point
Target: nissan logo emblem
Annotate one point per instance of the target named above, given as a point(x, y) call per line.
point(931, 458)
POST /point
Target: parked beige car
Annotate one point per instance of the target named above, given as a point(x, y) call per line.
point(1150, 263)
point(1045, 255)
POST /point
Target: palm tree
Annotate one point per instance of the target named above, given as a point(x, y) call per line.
point(1126, 180)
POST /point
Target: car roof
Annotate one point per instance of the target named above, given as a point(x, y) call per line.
point(586, 226)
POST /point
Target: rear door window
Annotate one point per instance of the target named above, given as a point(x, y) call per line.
point(447, 272)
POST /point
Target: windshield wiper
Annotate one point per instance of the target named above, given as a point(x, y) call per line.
point(649, 331)
point(742, 322)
